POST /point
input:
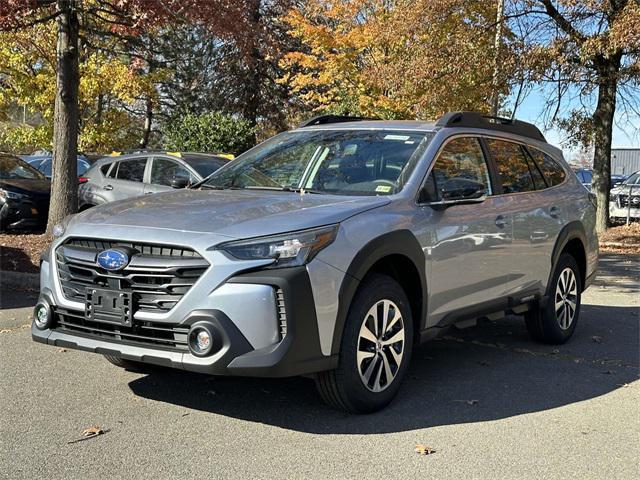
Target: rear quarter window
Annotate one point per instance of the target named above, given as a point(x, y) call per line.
point(553, 173)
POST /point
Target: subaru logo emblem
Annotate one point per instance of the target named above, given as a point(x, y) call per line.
point(113, 259)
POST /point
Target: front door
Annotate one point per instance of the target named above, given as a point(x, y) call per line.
point(164, 172)
point(467, 246)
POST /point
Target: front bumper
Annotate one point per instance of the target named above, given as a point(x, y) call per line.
point(296, 351)
point(22, 214)
point(621, 211)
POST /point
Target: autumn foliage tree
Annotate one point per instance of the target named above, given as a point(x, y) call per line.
point(392, 58)
point(73, 20)
point(588, 54)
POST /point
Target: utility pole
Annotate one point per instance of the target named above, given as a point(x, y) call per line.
point(495, 84)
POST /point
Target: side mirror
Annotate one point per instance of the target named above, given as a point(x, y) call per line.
point(461, 189)
point(458, 191)
point(179, 182)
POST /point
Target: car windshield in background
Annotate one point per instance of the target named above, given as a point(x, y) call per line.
point(344, 162)
point(205, 165)
point(14, 168)
point(633, 179)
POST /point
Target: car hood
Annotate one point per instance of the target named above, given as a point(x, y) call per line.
point(625, 189)
point(27, 186)
point(237, 214)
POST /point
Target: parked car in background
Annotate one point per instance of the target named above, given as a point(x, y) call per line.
point(24, 194)
point(45, 164)
point(625, 198)
point(585, 175)
point(329, 251)
point(123, 176)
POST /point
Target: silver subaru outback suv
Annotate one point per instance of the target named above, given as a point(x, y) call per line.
point(329, 251)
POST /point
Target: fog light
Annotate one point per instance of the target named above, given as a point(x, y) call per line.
point(200, 340)
point(42, 316)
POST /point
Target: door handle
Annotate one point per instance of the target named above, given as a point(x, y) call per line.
point(554, 212)
point(501, 221)
point(108, 187)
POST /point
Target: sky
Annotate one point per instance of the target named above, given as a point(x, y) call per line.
point(626, 132)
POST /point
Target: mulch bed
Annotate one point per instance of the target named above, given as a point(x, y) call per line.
point(20, 251)
point(621, 239)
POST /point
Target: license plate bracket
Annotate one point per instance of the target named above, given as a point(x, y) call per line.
point(109, 306)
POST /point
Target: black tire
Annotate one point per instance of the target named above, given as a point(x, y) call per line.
point(130, 365)
point(544, 323)
point(344, 388)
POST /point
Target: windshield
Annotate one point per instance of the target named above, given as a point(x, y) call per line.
point(633, 179)
point(205, 166)
point(14, 168)
point(344, 162)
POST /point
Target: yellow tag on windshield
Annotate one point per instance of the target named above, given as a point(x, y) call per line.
point(383, 189)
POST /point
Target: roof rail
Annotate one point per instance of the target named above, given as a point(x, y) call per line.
point(478, 120)
point(324, 119)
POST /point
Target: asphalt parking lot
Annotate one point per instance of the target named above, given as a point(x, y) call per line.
point(490, 402)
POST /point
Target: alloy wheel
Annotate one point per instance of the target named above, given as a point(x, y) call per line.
point(566, 298)
point(381, 345)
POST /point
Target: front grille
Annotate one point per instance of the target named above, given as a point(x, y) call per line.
point(157, 276)
point(623, 201)
point(150, 334)
point(282, 312)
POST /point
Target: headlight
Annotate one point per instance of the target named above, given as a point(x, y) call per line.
point(288, 250)
point(59, 228)
point(8, 194)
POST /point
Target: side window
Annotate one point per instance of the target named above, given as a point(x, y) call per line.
point(512, 165)
point(538, 179)
point(553, 173)
point(131, 170)
point(105, 169)
point(163, 171)
point(460, 167)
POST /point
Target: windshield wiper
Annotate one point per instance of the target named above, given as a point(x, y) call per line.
point(283, 189)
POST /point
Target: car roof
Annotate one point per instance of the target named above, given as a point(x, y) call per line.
point(415, 125)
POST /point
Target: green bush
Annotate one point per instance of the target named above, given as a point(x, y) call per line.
point(214, 132)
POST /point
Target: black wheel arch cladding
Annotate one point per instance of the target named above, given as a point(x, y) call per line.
point(398, 243)
point(570, 232)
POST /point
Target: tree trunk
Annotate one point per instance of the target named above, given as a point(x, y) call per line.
point(603, 132)
point(64, 189)
point(148, 123)
point(255, 64)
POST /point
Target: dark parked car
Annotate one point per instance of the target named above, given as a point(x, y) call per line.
point(585, 175)
point(123, 176)
point(45, 164)
point(24, 194)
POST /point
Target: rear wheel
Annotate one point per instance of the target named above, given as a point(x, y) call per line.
point(556, 321)
point(375, 349)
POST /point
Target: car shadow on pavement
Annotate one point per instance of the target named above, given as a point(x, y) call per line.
point(488, 372)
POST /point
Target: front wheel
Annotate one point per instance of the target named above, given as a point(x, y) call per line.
point(556, 321)
point(375, 349)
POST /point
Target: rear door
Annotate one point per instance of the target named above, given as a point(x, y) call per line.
point(163, 171)
point(538, 215)
point(467, 247)
point(125, 179)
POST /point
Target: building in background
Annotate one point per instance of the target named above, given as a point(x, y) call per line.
point(625, 161)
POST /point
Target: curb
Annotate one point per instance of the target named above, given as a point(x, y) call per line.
point(19, 281)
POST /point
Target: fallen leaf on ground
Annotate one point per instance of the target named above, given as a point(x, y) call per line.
point(608, 372)
point(596, 339)
point(212, 392)
point(485, 364)
point(468, 402)
point(62, 350)
point(88, 433)
point(424, 449)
